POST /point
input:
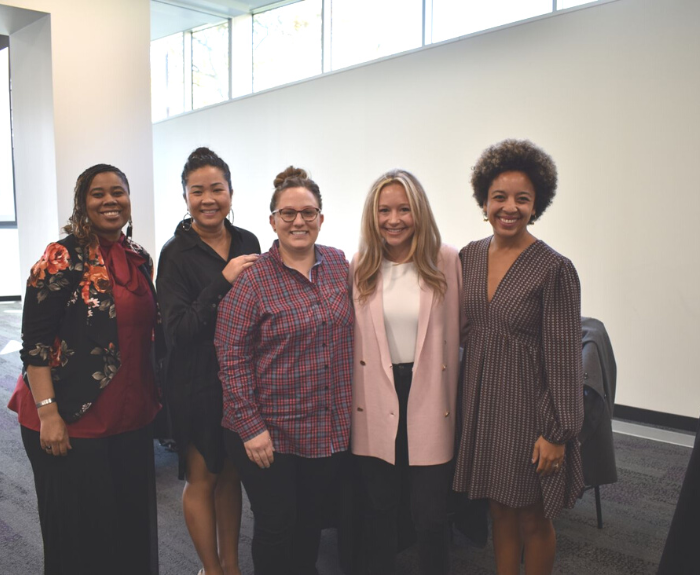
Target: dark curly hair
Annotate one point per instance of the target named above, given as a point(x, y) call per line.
point(294, 178)
point(79, 224)
point(516, 156)
point(200, 158)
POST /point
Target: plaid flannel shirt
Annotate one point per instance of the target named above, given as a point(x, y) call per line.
point(284, 345)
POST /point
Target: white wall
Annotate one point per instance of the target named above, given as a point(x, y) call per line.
point(81, 96)
point(611, 91)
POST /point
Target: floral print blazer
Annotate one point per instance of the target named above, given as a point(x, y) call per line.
point(69, 322)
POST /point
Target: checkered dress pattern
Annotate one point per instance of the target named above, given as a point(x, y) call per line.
point(522, 378)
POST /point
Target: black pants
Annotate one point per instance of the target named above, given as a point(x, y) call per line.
point(427, 487)
point(97, 505)
point(288, 501)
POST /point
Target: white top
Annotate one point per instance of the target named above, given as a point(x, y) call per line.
point(401, 305)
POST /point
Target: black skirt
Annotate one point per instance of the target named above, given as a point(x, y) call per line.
point(197, 421)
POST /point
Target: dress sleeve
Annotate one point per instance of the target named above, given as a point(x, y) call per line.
point(186, 315)
point(561, 408)
point(236, 338)
point(50, 287)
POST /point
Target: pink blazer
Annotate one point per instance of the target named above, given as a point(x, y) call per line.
point(431, 403)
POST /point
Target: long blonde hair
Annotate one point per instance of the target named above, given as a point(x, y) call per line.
point(425, 244)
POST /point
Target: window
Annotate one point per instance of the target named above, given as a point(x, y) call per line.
point(563, 4)
point(8, 217)
point(210, 58)
point(287, 44)
point(452, 18)
point(167, 76)
point(363, 30)
point(210, 67)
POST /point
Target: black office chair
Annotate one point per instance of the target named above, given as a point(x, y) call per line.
point(596, 437)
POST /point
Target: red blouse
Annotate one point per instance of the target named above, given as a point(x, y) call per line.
point(130, 401)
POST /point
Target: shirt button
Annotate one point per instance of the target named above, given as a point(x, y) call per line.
point(447, 414)
point(444, 367)
point(362, 362)
point(325, 366)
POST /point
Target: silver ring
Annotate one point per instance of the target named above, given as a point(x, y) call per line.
point(48, 448)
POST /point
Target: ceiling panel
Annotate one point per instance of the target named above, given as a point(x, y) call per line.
point(167, 19)
point(172, 16)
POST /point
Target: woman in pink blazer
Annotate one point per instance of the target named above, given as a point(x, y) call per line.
point(406, 288)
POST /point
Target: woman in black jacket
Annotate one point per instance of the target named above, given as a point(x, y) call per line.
point(197, 267)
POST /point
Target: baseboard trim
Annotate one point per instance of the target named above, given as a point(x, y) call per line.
point(649, 417)
point(10, 298)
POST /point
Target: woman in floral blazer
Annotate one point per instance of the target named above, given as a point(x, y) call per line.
point(87, 394)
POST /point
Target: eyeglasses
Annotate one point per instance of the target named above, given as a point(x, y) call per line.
point(289, 215)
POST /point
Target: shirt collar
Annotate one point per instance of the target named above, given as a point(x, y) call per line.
point(275, 253)
point(191, 239)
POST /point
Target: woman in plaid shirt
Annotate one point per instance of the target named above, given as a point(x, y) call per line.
point(284, 343)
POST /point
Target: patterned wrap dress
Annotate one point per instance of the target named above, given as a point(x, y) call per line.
point(522, 378)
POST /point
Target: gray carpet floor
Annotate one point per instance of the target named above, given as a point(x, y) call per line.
point(637, 510)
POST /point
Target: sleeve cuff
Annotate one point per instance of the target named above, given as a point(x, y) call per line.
point(250, 428)
point(557, 441)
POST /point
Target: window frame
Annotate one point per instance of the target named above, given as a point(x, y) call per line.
point(10, 224)
point(325, 49)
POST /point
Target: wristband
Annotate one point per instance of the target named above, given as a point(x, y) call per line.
point(44, 402)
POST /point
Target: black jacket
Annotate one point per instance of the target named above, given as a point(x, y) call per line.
point(190, 287)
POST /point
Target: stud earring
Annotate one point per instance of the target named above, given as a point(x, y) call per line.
point(486, 218)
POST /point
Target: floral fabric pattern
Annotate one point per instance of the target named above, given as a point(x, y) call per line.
point(112, 361)
point(69, 322)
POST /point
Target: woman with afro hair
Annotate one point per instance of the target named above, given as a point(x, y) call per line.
point(522, 400)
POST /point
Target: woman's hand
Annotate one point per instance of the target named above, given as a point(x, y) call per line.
point(235, 266)
point(53, 433)
point(260, 450)
point(548, 456)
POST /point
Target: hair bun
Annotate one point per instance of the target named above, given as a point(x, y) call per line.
point(203, 157)
point(290, 172)
point(201, 152)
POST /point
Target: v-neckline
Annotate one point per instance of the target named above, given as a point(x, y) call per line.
point(489, 302)
point(216, 254)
